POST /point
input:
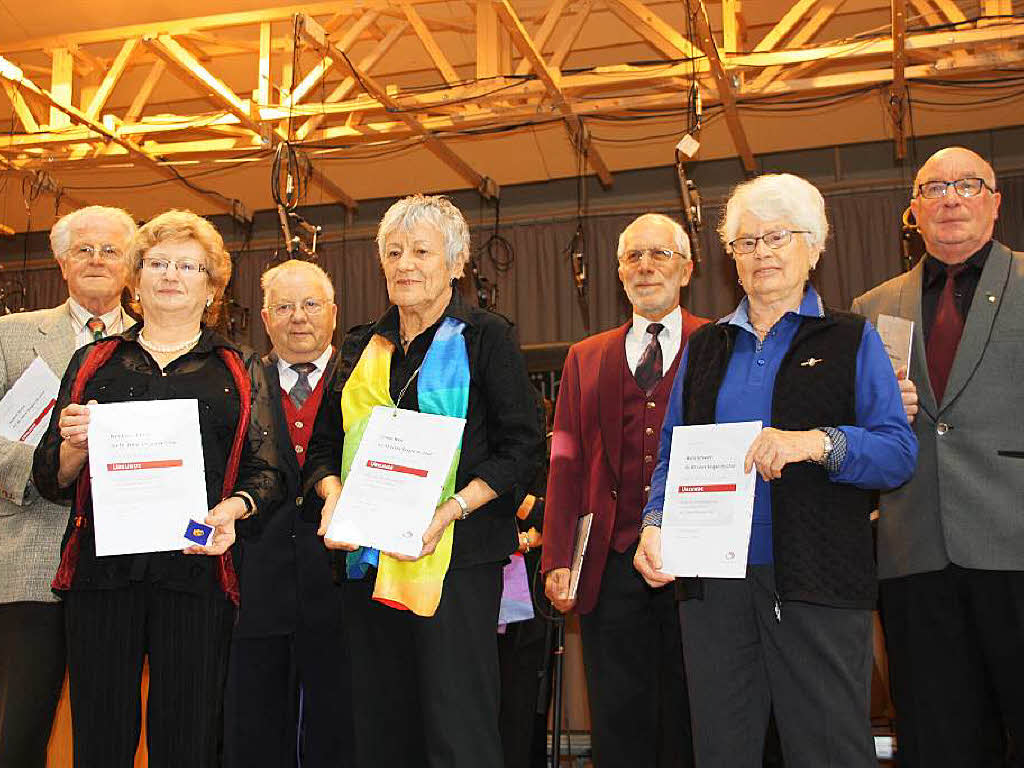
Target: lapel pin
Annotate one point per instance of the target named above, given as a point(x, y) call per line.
point(991, 298)
point(811, 362)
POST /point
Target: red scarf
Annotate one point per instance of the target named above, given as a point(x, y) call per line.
point(97, 356)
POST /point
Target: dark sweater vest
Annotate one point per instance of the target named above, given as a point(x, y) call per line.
point(821, 530)
point(300, 420)
point(642, 416)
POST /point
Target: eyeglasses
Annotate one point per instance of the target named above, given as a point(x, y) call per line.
point(287, 308)
point(969, 187)
point(85, 252)
point(186, 267)
point(657, 255)
point(780, 238)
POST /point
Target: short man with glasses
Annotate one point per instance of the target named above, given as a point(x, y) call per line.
point(287, 698)
point(90, 246)
point(612, 400)
point(951, 541)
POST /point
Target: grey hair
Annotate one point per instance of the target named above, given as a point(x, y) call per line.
point(777, 197)
point(437, 211)
point(270, 276)
point(60, 233)
point(680, 240)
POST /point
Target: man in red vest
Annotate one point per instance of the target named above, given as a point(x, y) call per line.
point(287, 688)
point(612, 399)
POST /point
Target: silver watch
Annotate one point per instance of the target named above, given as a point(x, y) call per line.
point(826, 447)
point(462, 503)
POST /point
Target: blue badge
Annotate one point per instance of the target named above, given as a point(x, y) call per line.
point(198, 532)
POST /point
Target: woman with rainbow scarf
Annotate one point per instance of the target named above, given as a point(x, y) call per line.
point(421, 632)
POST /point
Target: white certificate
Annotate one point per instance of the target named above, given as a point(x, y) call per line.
point(897, 336)
point(709, 501)
point(396, 479)
point(25, 409)
point(147, 473)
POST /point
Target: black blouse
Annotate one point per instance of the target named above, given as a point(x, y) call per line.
point(502, 441)
point(132, 374)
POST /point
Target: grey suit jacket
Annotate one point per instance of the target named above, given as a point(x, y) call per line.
point(965, 503)
point(30, 527)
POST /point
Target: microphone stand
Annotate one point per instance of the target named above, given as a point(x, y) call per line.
point(556, 724)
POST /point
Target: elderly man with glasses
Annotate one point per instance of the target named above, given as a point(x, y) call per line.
point(287, 684)
point(614, 392)
point(951, 541)
point(90, 246)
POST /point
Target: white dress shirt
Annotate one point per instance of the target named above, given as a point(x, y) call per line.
point(114, 322)
point(670, 337)
point(289, 377)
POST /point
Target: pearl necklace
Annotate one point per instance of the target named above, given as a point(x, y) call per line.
point(167, 350)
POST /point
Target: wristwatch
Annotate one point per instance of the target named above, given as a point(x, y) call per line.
point(826, 447)
point(462, 503)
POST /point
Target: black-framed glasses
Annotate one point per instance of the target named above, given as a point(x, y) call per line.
point(969, 187)
point(779, 238)
point(657, 255)
point(187, 267)
point(310, 306)
point(85, 252)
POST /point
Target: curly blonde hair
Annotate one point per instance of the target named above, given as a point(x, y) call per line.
point(176, 226)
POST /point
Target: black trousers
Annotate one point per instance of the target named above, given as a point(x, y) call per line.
point(288, 697)
point(633, 659)
point(185, 636)
point(31, 675)
point(955, 639)
point(811, 667)
point(425, 690)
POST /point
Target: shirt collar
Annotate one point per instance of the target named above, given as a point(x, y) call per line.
point(935, 270)
point(810, 306)
point(80, 316)
point(672, 322)
point(387, 325)
point(320, 362)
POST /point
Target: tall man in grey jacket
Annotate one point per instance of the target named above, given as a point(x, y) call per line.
point(91, 246)
point(951, 541)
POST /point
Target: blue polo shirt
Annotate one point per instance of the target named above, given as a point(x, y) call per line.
point(879, 451)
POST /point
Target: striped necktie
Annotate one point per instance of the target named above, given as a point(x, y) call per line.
point(301, 389)
point(97, 326)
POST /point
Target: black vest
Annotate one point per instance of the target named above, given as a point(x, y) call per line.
point(823, 547)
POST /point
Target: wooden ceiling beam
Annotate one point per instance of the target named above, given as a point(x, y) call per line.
point(193, 72)
point(21, 108)
point(702, 26)
point(578, 134)
point(11, 73)
point(654, 29)
point(429, 43)
point(352, 35)
point(547, 26)
point(796, 13)
point(311, 31)
point(61, 80)
point(811, 27)
point(110, 80)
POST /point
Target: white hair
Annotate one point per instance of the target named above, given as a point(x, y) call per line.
point(777, 197)
point(60, 233)
point(437, 211)
point(680, 240)
point(295, 265)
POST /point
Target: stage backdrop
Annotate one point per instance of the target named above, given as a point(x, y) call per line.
point(537, 292)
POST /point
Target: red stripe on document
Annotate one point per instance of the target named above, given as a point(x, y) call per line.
point(128, 466)
point(724, 488)
point(39, 418)
point(387, 467)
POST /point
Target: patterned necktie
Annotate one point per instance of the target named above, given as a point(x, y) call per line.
point(97, 326)
point(944, 338)
point(301, 390)
point(649, 369)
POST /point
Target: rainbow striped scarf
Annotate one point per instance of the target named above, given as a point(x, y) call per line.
point(443, 389)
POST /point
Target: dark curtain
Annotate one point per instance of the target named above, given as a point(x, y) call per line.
point(537, 291)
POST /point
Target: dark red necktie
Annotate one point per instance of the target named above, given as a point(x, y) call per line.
point(945, 334)
point(649, 369)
